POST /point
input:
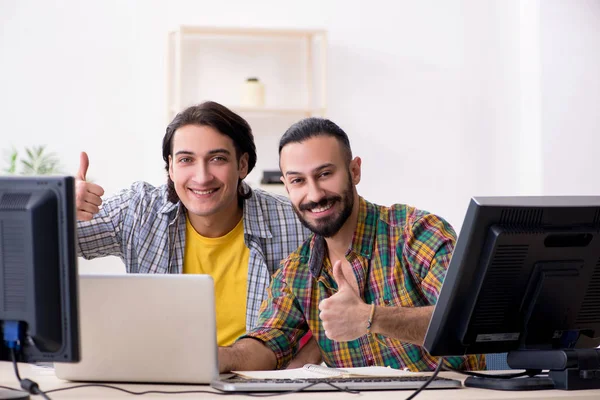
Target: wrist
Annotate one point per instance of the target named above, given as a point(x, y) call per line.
point(381, 318)
point(370, 317)
point(224, 358)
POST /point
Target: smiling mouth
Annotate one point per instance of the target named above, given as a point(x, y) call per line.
point(203, 192)
point(324, 208)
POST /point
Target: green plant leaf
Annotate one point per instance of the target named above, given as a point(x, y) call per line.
point(37, 161)
point(11, 159)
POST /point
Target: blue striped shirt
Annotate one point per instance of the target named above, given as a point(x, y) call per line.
point(147, 232)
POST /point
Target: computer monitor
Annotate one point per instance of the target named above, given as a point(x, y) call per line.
point(524, 278)
point(38, 269)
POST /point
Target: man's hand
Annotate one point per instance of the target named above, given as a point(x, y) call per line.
point(87, 195)
point(345, 314)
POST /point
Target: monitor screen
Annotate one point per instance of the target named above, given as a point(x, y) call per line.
point(525, 275)
point(38, 268)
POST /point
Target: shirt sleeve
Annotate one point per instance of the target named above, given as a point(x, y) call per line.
point(281, 322)
point(102, 236)
point(430, 242)
point(428, 245)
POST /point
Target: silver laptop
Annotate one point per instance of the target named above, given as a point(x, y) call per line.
point(145, 328)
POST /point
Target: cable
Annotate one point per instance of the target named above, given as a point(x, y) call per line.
point(302, 389)
point(13, 356)
point(131, 391)
point(428, 381)
point(10, 388)
point(13, 336)
point(43, 394)
point(251, 394)
point(28, 385)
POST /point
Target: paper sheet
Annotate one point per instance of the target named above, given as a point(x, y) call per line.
point(303, 373)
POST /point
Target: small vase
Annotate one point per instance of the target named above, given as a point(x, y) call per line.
point(253, 93)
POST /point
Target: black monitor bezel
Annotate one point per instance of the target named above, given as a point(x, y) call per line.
point(464, 272)
point(63, 187)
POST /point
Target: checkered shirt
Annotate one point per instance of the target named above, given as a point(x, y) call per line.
point(399, 256)
point(147, 232)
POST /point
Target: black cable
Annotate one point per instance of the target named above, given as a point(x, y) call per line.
point(28, 385)
point(13, 356)
point(302, 389)
point(44, 395)
point(131, 391)
point(428, 381)
point(251, 394)
point(10, 388)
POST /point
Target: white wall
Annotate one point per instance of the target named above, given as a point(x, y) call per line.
point(570, 107)
point(442, 100)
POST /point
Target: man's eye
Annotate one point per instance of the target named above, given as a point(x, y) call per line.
point(185, 160)
point(325, 174)
point(219, 159)
point(295, 181)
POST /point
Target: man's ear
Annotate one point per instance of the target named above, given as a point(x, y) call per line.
point(243, 165)
point(171, 168)
point(282, 179)
point(355, 170)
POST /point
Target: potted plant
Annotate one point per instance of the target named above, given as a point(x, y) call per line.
point(36, 161)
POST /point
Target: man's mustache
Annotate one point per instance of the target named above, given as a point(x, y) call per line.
point(321, 203)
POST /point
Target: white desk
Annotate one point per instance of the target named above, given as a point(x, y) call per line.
point(47, 381)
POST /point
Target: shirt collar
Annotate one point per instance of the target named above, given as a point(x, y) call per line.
point(254, 219)
point(168, 207)
point(362, 240)
point(255, 223)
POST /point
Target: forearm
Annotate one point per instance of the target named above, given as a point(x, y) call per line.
point(102, 236)
point(407, 324)
point(309, 354)
point(246, 355)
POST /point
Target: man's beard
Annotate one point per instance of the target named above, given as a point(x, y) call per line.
point(330, 225)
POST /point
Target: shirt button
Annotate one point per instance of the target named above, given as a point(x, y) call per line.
point(370, 362)
point(386, 302)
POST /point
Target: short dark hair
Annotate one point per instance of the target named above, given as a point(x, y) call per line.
point(313, 127)
point(222, 120)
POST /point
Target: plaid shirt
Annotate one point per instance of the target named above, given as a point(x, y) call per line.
point(399, 256)
point(147, 232)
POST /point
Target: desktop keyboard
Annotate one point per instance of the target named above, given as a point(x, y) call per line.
point(237, 384)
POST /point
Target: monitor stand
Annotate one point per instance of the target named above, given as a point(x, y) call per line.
point(569, 369)
point(522, 383)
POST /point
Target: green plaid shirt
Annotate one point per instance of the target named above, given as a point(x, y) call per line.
point(399, 256)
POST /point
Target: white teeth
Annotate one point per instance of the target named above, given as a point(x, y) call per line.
point(321, 209)
point(203, 191)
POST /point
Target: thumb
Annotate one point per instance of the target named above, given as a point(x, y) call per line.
point(84, 163)
point(338, 275)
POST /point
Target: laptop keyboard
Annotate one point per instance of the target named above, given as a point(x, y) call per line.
point(237, 384)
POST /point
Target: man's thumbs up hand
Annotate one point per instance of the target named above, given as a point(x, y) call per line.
point(87, 195)
point(84, 163)
point(345, 314)
point(340, 278)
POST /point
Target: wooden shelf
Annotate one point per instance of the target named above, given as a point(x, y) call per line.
point(194, 67)
point(279, 111)
point(237, 31)
point(266, 111)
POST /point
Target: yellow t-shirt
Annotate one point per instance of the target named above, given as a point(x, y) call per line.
point(225, 259)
